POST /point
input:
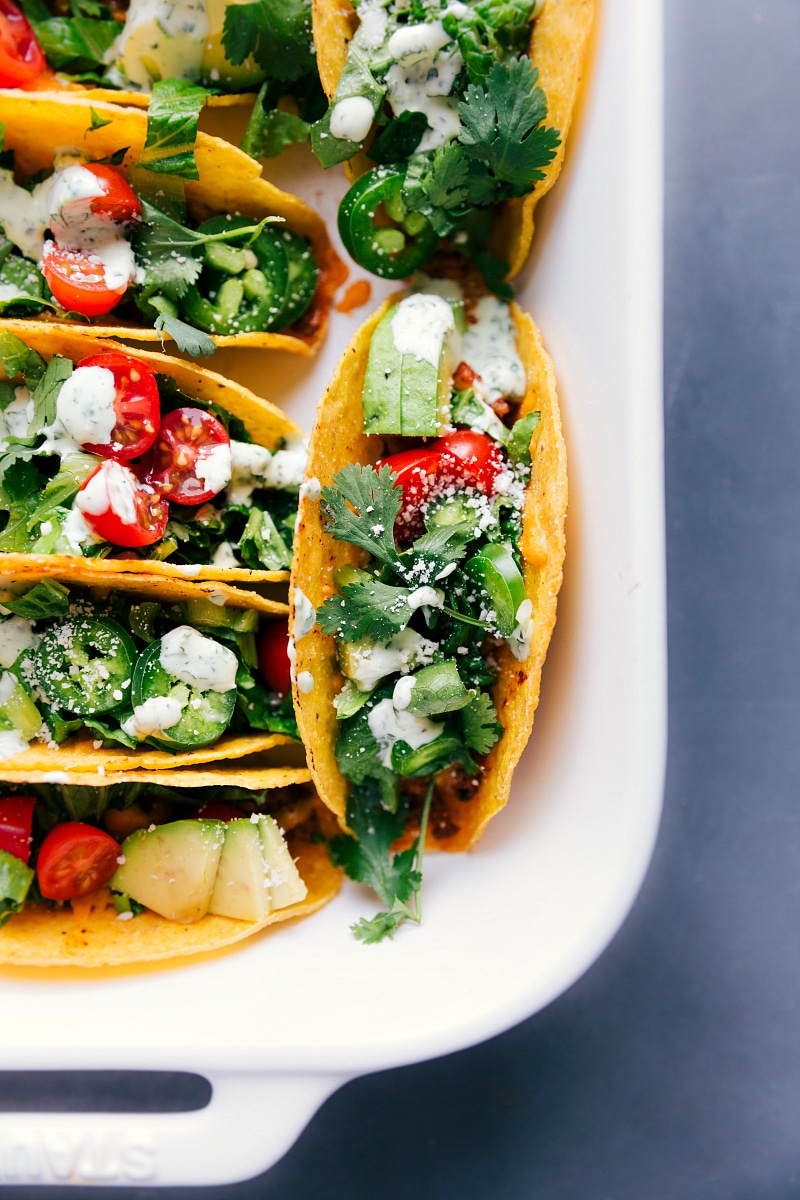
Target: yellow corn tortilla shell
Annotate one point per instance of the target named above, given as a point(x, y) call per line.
point(251, 774)
point(337, 439)
point(558, 47)
point(230, 182)
point(89, 933)
point(266, 424)
point(78, 754)
point(56, 86)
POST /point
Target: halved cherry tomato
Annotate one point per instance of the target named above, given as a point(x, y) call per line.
point(21, 57)
point(75, 859)
point(118, 202)
point(120, 508)
point(136, 404)
point(463, 457)
point(273, 657)
point(78, 280)
point(190, 460)
point(217, 810)
point(16, 822)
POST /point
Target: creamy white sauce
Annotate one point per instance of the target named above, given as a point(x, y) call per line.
point(388, 726)
point(519, 643)
point(8, 685)
point(214, 467)
point(369, 662)
point(11, 743)
point(153, 716)
point(420, 80)
point(351, 118)
point(304, 614)
point(224, 556)
point(256, 467)
point(490, 348)
point(420, 326)
point(66, 199)
point(198, 661)
point(16, 635)
point(89, 236)
point(426, 596)
point(113, 487)
point(160, 40)
point(311, 488)
point(76, 531)
point(23, 219)
point(373, 27)
point(85, 405)
point(18, 415)
point(401, 696)
point(305, 682)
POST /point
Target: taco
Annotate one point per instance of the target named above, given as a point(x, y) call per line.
point(116, 680)
point(93, 231)
point(95, 874)
point(425, 581)
point(445, 110)
point(71, 416)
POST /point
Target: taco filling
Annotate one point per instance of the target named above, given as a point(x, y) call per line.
point(106, 458)
point(123, 672)
point(82, 241)
point(435, 603)
point(151, 871)
point(444, 99)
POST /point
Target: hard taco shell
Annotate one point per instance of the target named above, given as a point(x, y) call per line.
point(36, 124)
point(337, 439)
point(266, 424)
point(558, 47)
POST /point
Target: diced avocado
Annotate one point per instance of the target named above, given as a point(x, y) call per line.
point(286, 886)
point(405, 392)
point(15, 880)
point(17, 709)
point(172, 868)
point(367, 662)
point(204, 614)
point(242, 888)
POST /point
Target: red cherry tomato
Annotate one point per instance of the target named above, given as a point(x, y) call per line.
point(21, 57)
point(75, 859)
point(217, 810)
point(121, 509)
point(118, 202)
point(190, 460)
point(273, 657)
point(16, 821)
point(136, 404)
point(78, 280)
point(464, 457)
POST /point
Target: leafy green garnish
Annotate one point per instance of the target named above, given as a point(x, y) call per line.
point(15, 881)
point(502, 125)
point(98, 122)
point(277, 36)
point(361, 507)
point(368, 858)
point(186, 337)
point(45, 394)
point(261, 545)
point(482, 730)
point(75, 44)
point(45, 599)
point(398, 140)
point(519, 440)
point(172, 119)
point(18, 359)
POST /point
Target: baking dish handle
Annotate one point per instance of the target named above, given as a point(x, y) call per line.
point(250, 1122)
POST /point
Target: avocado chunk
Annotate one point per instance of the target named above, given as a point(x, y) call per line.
point(286, 886)
point(409, 369)
point(172, 868)
point(242, 888)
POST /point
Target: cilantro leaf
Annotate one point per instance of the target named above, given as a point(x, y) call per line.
point(361, 507)
point(374, 610)
point(519, 439)
point(400, 138)
point(482, 730)
point(45, 599)
point(277, 36)
point(261, 545)
point(270, 130)
point(433, 552)
point(18, 359)
point(97, 121)
point(172, 128)
point(75, 44)
point(437, 187)
point(192, 341)
point(502, 125)
point(367, 857)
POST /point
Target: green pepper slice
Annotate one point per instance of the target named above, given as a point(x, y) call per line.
point(84, 665)
point(392, 251)
point(234, 294)
point(499, 577)
point(204, 715)
point(303, 276)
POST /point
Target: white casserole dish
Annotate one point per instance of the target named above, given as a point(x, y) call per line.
point(280, 1022)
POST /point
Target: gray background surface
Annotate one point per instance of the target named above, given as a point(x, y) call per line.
point(671, 1071)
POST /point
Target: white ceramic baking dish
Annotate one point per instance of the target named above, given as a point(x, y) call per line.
point(281, 1022)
